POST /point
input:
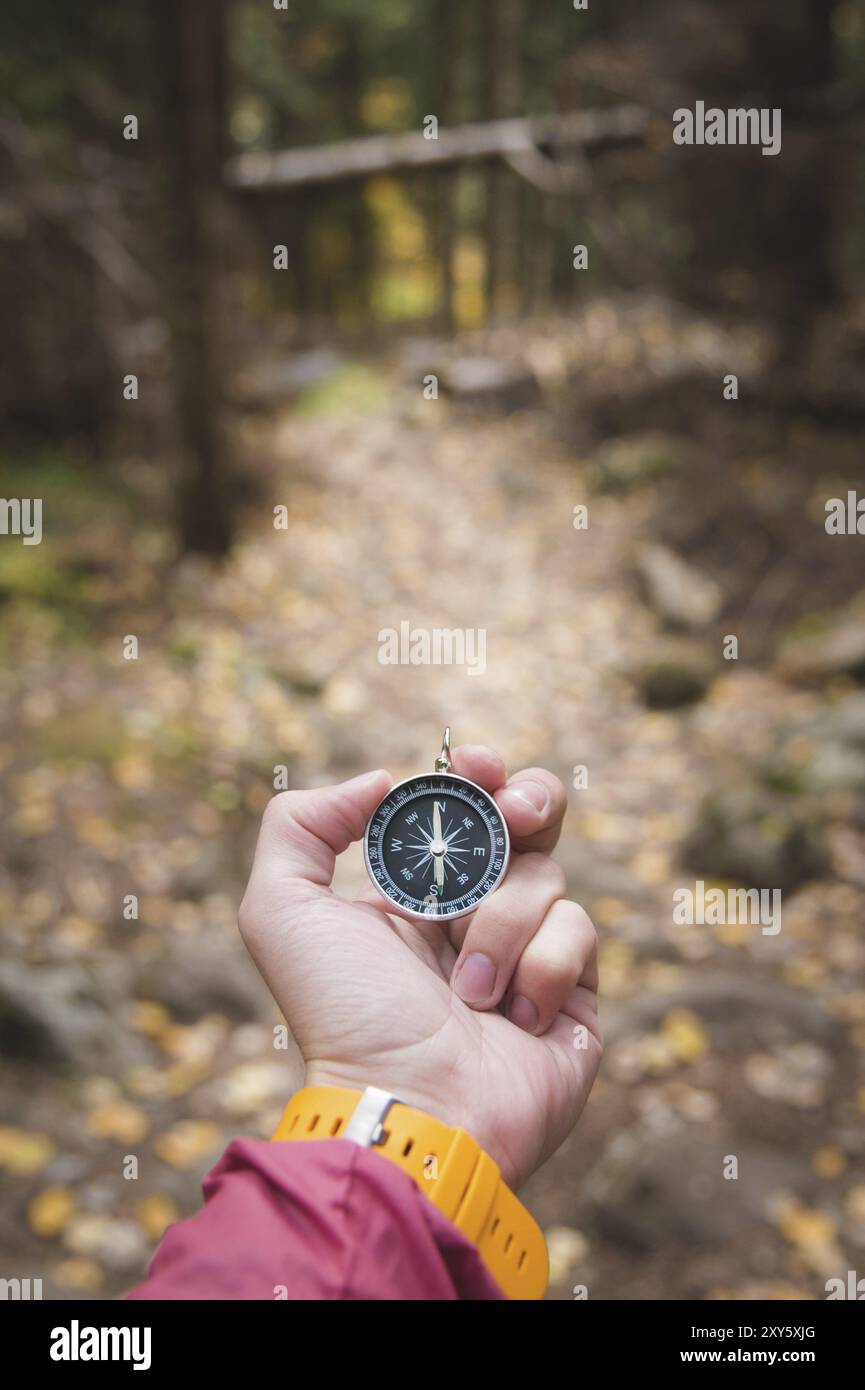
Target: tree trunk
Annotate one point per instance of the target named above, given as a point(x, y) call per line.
point(446, 30)
point(502, 23)
point(188, 85)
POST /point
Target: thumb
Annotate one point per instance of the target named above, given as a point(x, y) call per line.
point(303, 831)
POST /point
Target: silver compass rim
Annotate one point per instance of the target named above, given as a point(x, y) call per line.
point(437, 916)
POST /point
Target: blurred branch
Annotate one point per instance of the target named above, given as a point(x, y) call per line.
point(387, 154)
point(545, 174)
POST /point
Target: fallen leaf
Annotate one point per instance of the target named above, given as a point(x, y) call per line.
point(119, 1120)
point(828, 1162)
point(25, 1153)
point(83, 1275)
point(51, 1210)
point(188, 1143)
point(684, 1031)
point(567, 1248)
point(154, 1213)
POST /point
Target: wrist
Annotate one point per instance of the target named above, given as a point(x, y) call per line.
point(443, 1107)
point(417, 1097)
point(445, 1163)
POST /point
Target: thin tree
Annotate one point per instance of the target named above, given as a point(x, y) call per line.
point(188, 88)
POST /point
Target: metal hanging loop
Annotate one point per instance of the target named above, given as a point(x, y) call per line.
point(443, 761)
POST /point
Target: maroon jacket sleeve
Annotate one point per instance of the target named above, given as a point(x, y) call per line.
point(325, 1219)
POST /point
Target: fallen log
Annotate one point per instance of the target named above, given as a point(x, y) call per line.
point(344, 160)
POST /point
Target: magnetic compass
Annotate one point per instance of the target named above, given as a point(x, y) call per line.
point(437, 844)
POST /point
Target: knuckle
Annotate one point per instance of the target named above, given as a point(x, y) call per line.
point(584, 925)
point(546, 873)
point(279, 809)
point(548, 970)
point(246, 918)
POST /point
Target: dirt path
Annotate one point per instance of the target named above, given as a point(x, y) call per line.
point(150, 1036)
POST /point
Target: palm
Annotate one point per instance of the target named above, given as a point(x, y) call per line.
point(372, 1005)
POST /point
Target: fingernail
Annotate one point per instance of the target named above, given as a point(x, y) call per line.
point(476, 979)
point(534, 794)
point(523, 1013)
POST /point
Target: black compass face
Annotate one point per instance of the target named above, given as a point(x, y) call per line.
point(436, 846)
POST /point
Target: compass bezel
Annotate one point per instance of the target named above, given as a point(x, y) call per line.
point(438, 915)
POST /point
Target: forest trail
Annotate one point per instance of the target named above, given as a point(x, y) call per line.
point(721, 1041)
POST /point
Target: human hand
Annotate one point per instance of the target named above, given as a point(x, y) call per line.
point(488, 1023)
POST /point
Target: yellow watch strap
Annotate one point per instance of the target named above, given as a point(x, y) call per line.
point(448, 1165)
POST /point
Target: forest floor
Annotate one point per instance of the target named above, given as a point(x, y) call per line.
point(722, 1153)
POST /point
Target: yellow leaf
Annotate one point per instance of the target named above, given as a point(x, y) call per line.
point(24, 1153)
point(119, 1120)
point(251, 1085)
point(80, 1274)
point(854, 1203)
point(133, 771)
point(149, 1018)
point(685, 1033)
point(194, 1043)
point(806, 973)
point(828, 1162)
point(180, 1077)
point(36, 818)
point(657, 1054)
point(145, 1081)
point(651, 866)
point(154, 1213)
point(733, 933)
point(608, 911)
point(51, 1210)
point(99, 833)
point(187, 1143)
point(77, 933)
point(811, 1232)
point(567, 1248)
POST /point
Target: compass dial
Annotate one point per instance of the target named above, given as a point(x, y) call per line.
point(436, 846)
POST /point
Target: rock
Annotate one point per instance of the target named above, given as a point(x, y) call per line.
point(198, 977)
point(54, 1015)
point(676, 590)
point(836, 648)
point(826, 754)
point(796, 1075)
point(271, 383)
point(633, 460)
point(491, 384)
point(674, 672)
point(419, 356)
point(756, 839)
point(651, 1191)
point(738, 1013)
